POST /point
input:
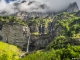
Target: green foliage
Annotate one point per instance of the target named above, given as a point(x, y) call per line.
point(40, 56)
point(76, 36)
point(60, 54)
point(11, 20)
point(70, 24)
point(57, 43)
point(8, 52)
point(35, 33)
point(38, 21)
point(58, 48)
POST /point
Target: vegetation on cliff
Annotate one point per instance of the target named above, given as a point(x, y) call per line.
point(36, 22)
point(65, 45)
point(70, 32)
point(11, 20)
point(39, 20)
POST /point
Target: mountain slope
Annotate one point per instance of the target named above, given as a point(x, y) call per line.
point(66, 30)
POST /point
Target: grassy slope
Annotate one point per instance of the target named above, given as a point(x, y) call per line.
point(8, 52)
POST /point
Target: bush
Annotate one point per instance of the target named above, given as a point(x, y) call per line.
point(8, 52)
point(57, 42)
point(59, 54)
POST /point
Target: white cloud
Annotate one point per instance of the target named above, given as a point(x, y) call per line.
point(55, 5)
point(8, 8)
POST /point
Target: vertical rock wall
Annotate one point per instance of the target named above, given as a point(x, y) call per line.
point(18, 35)
point(14, 34)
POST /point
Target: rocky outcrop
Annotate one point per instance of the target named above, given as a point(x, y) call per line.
point(78, 13)
point(72, 8)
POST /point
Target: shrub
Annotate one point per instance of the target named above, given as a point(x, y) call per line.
point(8, 52)
point(59, 54)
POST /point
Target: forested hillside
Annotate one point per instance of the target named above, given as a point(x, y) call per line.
point(66, 42)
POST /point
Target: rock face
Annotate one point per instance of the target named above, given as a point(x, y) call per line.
point(18, 35)
point(40, 41)
point(27, 15)
point(14, 34)
point(78, 13)
point(72, 8)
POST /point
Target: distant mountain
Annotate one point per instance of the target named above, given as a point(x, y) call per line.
point(72, 8)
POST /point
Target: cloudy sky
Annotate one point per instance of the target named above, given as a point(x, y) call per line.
point(55, 5)
point(54, 1)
